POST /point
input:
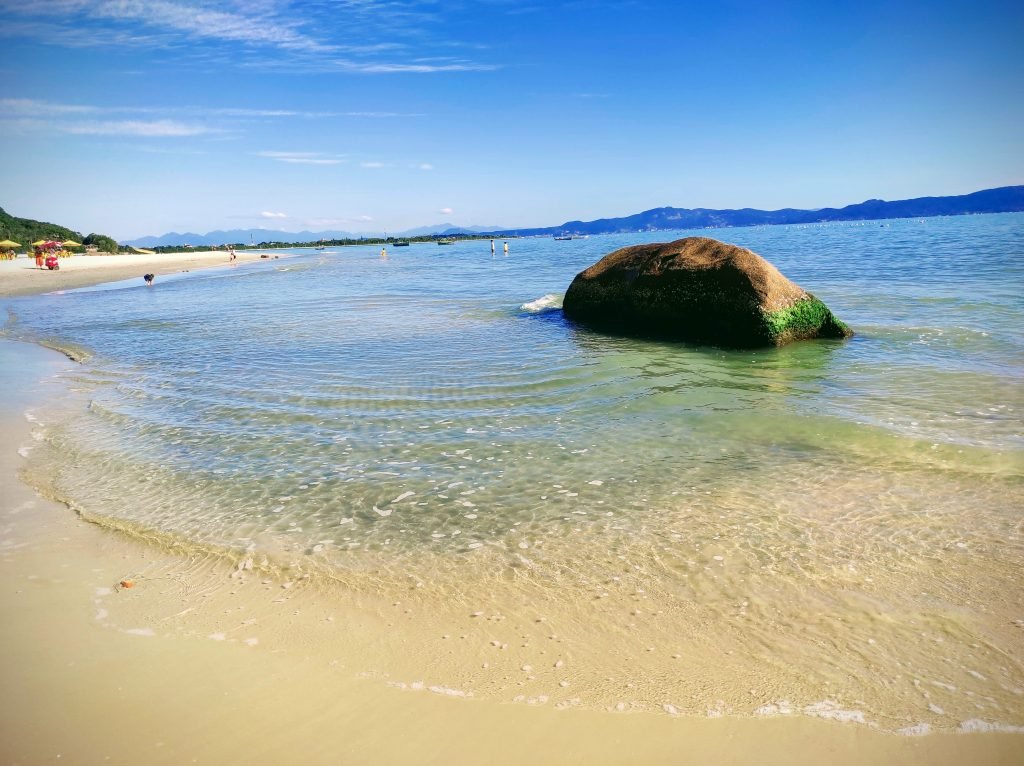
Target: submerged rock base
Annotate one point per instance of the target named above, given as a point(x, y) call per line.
point(699, 290)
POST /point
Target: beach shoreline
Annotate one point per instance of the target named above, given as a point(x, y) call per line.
point(137, 682)
point(204, 658)
point(21, 277)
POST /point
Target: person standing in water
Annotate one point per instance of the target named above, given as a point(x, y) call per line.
point(383, 252)
point(506, 248)
point(492, 247)
point(149, 279)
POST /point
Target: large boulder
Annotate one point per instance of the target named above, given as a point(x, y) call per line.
point(700, 290)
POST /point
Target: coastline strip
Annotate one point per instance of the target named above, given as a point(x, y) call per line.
point(21, 277)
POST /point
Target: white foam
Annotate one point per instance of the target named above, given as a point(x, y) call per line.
point(977, 725)
point(449, 692)
point(917, 730)
point(780, 707)
point(549, 302)
point(832, 711)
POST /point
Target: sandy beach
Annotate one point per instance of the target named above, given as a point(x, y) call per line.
point(22, 277)
point(200, 661)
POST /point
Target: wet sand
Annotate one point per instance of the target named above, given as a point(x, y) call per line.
point(202, 662)
point(22, 277)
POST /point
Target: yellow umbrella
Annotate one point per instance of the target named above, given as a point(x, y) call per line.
point(71, 243)
point(8, 243)
point(40, 242)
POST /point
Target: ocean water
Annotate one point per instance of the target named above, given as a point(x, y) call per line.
point(834, 528)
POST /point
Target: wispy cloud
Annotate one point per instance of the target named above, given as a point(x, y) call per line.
point(374, 165)
point(152, 129)
point(310, 34)
point(31, 106)
point(424, 166)
point(257, 27)
point(304, 158)
point(35, 107)
point(394, 67)
point(235, 112)
point(446, 211)
point(268, 214)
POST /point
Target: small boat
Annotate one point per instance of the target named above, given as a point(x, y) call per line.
point(444, 241)
point(400, 244)
point(321, 245)
point(563, 236)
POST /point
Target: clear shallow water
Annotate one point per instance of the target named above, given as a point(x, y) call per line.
point(831, 512)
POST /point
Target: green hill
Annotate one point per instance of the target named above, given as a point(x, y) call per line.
point(26, 231)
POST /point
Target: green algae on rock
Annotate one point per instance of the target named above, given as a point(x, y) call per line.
point(700, 290)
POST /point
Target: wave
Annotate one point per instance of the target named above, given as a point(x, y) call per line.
point(546, 303)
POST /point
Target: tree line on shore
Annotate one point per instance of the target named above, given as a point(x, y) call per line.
point(346, 242)
point(25, 231)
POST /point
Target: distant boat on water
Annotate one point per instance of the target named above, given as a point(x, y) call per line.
point(400, 244)
point(321, 245)
point(563, 236)
point(444, 241)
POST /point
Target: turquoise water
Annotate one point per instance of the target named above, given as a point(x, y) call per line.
point(432, 412)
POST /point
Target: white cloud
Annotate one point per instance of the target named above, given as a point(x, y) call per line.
point(152, 129)
point(425, 166)
point(257, 28)
point(446, 211)
point(384, 67)
point(304, 158)
point(267, 214)
point(373, 165)
point(315, 35)
point(32, 106)
point(310, 161)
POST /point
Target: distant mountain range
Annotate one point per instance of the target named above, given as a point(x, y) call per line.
point(1006, 199)
point(245, 236)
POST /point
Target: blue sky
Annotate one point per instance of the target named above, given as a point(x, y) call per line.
point(129, 118)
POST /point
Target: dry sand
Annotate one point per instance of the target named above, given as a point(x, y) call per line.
point(22, 277)
point(93, 673)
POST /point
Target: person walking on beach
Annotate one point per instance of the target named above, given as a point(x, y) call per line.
point(149, 279)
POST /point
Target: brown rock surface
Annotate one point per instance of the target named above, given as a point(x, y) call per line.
point(701, 290)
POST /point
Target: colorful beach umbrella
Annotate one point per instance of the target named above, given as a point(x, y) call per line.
point(71, 243)
point(9, 243)
point(40, 242)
